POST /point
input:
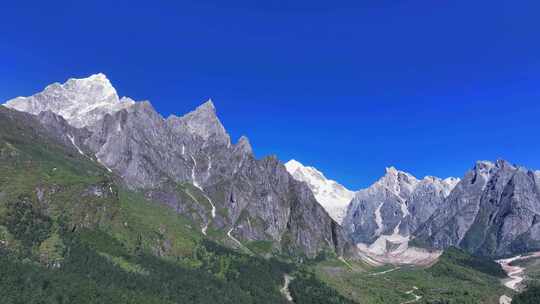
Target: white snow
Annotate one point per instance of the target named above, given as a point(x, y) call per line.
point(213, 213)
point(233, 238)
point(379, 253)
point(285, 289)
point(204, 229)
point(379, 220)
point(395, 187)
point(72, 139)
point(331, 195)
point(380, 246)
point(82, 102)
point(193, 179)
point(484, 169)
point(450, 183)
point(103, 164)
point(209, 166)
point(403, 206)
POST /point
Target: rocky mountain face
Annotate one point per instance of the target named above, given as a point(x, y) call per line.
point(189, 164)
point(493, 211)
point(396, 204)
point(382, 219)
point(332, 196)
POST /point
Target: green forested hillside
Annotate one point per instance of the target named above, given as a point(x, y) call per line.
point(529, 296)
point(456, 278)
point(69, 233)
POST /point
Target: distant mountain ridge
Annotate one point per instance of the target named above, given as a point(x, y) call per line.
point(493, 211)
point(382, 218)
point(190, 164)
point(333, 196)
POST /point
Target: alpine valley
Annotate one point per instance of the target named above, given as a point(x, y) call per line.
point(103, 200)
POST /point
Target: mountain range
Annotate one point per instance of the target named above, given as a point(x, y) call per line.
point(177, 159)
point(190, 164)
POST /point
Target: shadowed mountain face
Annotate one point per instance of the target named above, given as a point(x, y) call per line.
point(189, 164)
point(493, 211)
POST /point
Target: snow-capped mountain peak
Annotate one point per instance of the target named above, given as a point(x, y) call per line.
point(331, 195)
point(81, 101)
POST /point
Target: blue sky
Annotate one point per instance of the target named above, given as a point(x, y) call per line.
point(347, 86)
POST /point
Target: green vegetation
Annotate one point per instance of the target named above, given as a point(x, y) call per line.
point(530, 296)
point(307, 288)
point(454, 257)
point(70, 234)
point(532, 270)
point(260, 247)
point(456, 278)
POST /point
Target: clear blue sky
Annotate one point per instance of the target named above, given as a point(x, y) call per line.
point(349, 87)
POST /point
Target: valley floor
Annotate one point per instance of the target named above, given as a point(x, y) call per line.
point(447, 281)
point(522, 270)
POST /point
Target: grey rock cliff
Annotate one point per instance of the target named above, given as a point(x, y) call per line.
point(395, 205)
point(189, 164)
point(493, 211)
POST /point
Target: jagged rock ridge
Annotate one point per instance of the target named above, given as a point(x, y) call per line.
point(396, 204)
point(493, 211)
point(189, 164)
point(382, 218)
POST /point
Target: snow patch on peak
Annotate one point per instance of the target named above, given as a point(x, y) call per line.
point(293, 165)
point(392, 170)
point(331, 195)
point(80, 101)
point(451, 182)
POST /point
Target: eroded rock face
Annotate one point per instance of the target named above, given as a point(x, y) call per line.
point(493, 211)
point(189, 164)
point(395, 205)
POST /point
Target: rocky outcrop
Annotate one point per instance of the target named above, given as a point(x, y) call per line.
point(493, 211)
point(395, 205)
